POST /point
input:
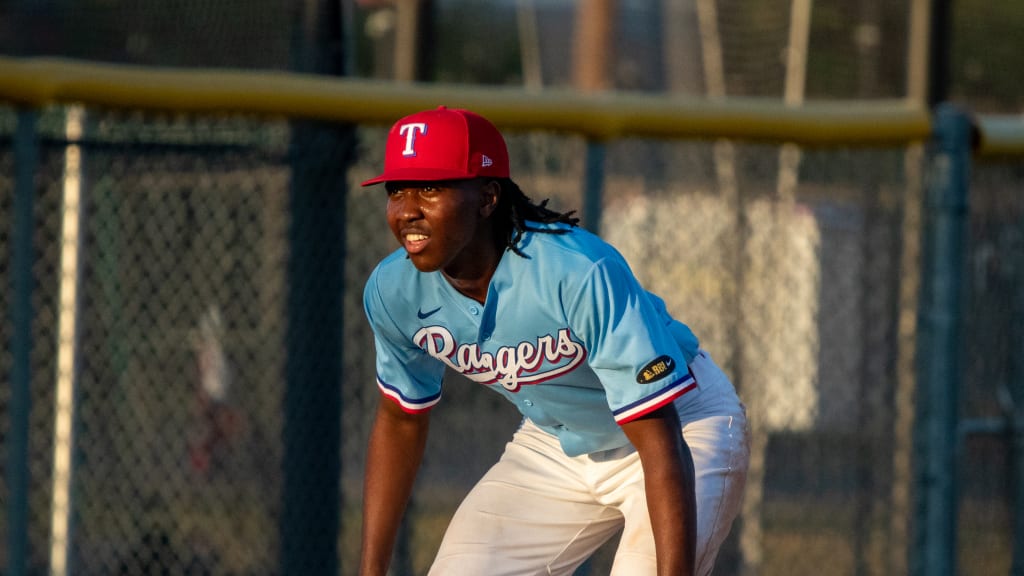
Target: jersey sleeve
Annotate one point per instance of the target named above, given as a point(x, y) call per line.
point(630, 341)
point(405, 373)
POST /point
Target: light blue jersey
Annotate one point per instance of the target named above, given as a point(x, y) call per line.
point(567, 334)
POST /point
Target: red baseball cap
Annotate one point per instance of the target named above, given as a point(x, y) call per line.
point(443, 144)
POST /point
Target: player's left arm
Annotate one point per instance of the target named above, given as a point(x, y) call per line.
point(669, 485)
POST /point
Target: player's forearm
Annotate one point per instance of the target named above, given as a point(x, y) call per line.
point(379, 534)
point(394, 453)
point(387, 488)
point(670, 503)
point(669, 487)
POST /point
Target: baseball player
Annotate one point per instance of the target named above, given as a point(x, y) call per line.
point(627, 423)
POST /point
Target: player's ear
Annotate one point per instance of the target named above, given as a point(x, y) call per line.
point(490, 192)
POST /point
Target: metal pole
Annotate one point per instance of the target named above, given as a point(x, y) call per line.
point(529, 45)
point(26, 153)
point(593, 187)
point(66, 380)
point(319, 157)
point(407, 21)
point(939, 49)
point(592, 53)
point(900, 505)
point(593, 49)
point(940, 343)
point(793, 93)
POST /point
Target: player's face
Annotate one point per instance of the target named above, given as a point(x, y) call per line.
point(443, 225)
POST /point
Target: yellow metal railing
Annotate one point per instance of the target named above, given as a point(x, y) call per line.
point(1000, 135)
point(36, 82)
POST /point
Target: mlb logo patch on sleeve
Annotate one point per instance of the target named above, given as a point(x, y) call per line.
point(656, 370)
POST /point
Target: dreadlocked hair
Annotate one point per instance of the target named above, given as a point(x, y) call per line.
point(514, 210)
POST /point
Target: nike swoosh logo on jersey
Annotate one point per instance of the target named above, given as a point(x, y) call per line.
point(424, 315)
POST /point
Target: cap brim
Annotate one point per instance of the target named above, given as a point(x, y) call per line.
point(418, 175)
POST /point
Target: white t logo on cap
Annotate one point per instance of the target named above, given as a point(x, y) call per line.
point(409, 131)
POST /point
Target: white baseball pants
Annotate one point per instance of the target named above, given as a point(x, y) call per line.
point(540, 512)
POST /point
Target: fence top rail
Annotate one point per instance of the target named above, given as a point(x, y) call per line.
point(42, 81)
point(1000, 136)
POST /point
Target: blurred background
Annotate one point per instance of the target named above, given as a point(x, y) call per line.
point(199, 379)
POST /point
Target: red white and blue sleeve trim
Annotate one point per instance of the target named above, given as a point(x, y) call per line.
point(651, 403)
point(410, 405)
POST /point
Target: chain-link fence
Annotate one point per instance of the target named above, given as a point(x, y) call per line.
point(197, 348)
point(169, 266)
point(994, 382)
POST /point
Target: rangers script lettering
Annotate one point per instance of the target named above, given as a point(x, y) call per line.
point(510, 366)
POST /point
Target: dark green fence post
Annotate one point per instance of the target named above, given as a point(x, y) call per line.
point(26, 158)
point(320, 155)
point(311, 516)
point(593, 186)
point(940, 346)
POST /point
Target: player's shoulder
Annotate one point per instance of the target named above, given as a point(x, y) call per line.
point(395, 263)
point(395, 289)
point(394, 274)
point(567, 244)
point(574, 260)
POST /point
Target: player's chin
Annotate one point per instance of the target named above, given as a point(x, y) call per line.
point(423, 263)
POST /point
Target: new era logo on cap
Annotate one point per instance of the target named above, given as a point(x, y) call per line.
point(443, 144)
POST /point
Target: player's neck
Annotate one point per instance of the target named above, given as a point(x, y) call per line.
point(471, 275)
